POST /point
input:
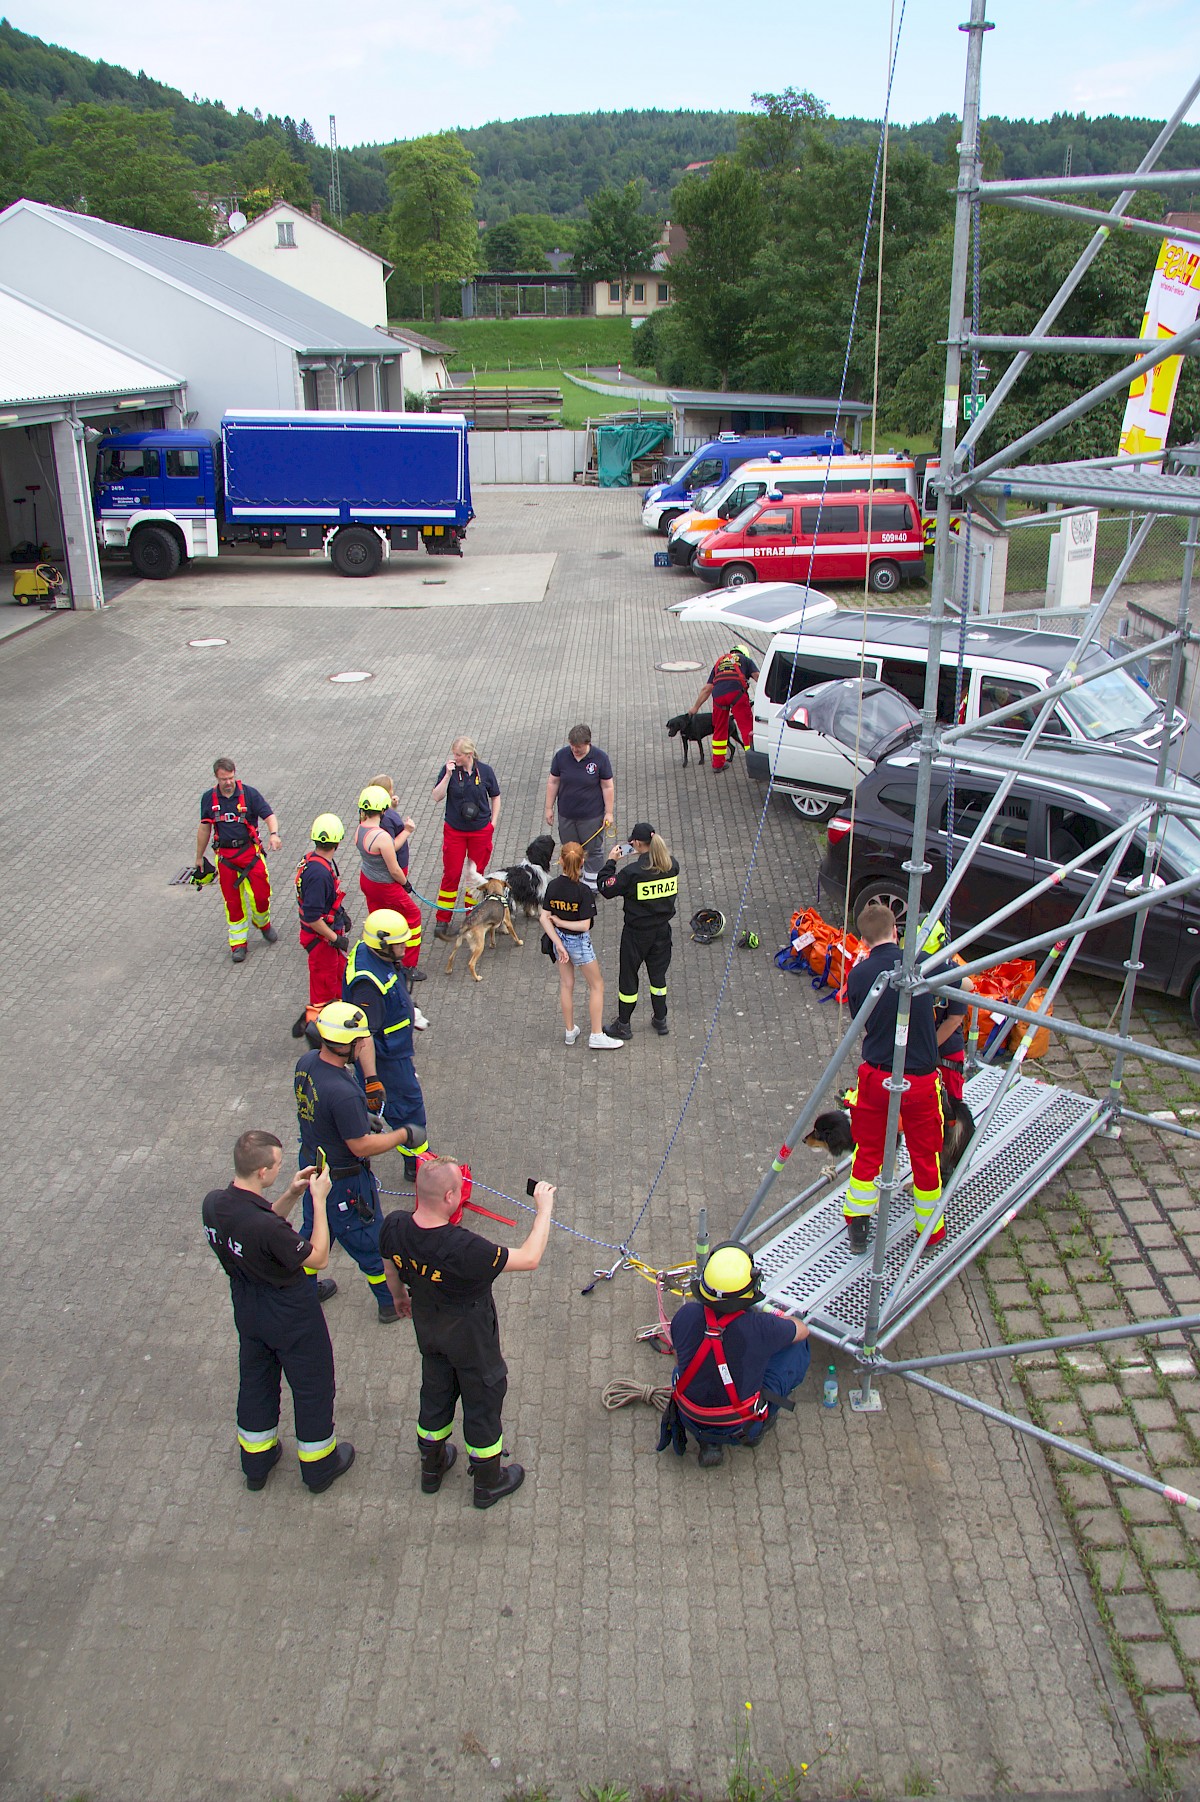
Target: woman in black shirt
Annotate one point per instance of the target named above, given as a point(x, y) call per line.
point(568, 909)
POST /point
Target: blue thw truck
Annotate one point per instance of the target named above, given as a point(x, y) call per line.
point(356, 486)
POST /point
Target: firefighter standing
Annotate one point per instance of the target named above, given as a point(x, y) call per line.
point(649, 888)
point(449, 1273)
point(230, 815)
point(394, 821)
point(920, 1102)
point(374, 983)
point(281, 1330)
point(472, 796)
point(332, 1113)
point(735, 1365)
point(729, 685)
point(324, 922)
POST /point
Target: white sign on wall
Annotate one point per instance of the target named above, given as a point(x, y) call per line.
point(1071, 562)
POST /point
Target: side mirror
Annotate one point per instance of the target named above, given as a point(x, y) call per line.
point(798, 721)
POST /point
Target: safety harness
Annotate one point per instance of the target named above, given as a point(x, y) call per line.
point(336, 917)
point(738, 1411)
point(239, 856)
point(729, 669)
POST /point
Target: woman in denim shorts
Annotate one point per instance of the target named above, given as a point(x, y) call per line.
point(568, 909)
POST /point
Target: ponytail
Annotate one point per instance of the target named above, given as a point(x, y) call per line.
point(660, 856)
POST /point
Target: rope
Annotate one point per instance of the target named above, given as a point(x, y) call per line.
point(410, 1195)
point(623, 1390)
point(762, 818)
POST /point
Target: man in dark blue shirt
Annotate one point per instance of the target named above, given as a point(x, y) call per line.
point(335, 1129)
point(581, 782)
point(230, 813)
point(735, 1366)
point(920, 1104)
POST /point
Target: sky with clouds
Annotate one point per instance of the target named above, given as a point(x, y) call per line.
point(399, 68)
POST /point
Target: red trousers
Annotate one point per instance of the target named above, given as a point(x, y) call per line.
point(922, 1126)
point(456, 848)
point(739, 708)
point(952, 1076)
point(233, 881)
point(326, 968)
point(394, 894)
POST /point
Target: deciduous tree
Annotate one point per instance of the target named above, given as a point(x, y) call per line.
point(123, 166)
point(724, 217)
point(435, 237)
point(617, 237)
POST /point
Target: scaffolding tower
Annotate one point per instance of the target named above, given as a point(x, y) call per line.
point(1027, 1129)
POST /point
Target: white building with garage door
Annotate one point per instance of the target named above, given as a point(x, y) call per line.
point(60, 388)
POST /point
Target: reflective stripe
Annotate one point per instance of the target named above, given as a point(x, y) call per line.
point(399, 1026)
point(437, 1434)
point(312, 1449)
point(661, 991)
point(860, 1199)
point(258, 1442)
point(630, 1000)
point(381, 1278)
point(926, 1197)
point(484, 1451)
point(447, 896)
point(309, 1271)
point(412, 1151)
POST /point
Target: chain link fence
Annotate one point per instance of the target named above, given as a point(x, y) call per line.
point(1159, 560)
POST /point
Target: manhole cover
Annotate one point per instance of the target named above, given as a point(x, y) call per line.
point(205, 644)
point(673, 669)
point(352, 675)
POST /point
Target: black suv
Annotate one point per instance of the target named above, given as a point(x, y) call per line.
point(1044, 821)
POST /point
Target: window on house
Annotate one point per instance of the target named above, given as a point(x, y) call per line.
point(664, 294)
point(639, 291)
point(614, 293)
point(286, 239)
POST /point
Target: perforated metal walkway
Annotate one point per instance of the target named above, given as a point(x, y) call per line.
point(809, 1266)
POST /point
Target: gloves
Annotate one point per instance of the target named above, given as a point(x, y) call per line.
point(375, 1095)
point(204, 873)
point(342, 943)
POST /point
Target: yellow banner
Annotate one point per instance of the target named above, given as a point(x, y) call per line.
point(1170, 307)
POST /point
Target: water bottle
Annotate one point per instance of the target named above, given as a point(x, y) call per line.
point(829, 1394)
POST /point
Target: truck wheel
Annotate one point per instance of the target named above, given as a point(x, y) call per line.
point(356, 551)
point(155, 553)
point(885, 577)
point(736, 575)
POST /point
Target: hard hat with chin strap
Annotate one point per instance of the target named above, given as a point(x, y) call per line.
point(340, 1023)
point(707, 925)
point(327, 829)
point(728, 1277)
point(384, 929)
point(374, 799)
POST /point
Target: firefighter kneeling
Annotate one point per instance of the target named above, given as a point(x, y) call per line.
point(736, 1366)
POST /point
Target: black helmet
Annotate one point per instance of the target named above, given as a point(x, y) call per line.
point(707, 925)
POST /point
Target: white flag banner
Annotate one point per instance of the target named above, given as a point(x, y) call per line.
point(1170, 307)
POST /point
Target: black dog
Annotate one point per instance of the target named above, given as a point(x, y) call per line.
point(831, 1132)
point(694, 728)
point(527, 880)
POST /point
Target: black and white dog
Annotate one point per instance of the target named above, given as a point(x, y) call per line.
point(694, 728)
point(527, 880)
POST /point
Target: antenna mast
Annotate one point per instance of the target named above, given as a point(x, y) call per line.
point(335, 174)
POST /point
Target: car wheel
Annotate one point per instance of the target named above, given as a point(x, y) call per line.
point(892, 894)
point(1194, 1000)
point(885, 577)
point(816, 808)
point(666, 520)
point(737, 575)
point(356, 551)
point(155, 553)
point(694, 561)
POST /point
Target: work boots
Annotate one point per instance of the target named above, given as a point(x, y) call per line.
point(858, 1226)
point(437, 1457)
point(493, 1480)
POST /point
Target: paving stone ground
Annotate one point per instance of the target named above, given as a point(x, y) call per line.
point(900, 1597)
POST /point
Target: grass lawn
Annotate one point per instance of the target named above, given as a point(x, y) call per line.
point(579, 404)
point(528, 343)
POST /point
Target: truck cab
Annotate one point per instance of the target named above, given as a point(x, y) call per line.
point(155, 495)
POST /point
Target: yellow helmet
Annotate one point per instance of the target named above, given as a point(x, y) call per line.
point(341, 1024)
point(383, 928)
point(933, 936)
point(374, 799)
point(729, 1276)
point(327, 829)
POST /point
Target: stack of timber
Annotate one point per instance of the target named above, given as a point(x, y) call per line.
point(501, 409)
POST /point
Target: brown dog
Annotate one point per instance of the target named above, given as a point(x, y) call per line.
point(489, 914)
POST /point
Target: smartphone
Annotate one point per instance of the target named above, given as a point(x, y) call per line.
point(321, 1160)
point(531, 1185)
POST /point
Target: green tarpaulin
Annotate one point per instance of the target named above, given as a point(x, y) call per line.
point(618, 445)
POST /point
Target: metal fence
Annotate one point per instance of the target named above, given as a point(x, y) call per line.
point(1159, 560)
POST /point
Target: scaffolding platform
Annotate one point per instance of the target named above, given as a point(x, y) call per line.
point(808, 1267)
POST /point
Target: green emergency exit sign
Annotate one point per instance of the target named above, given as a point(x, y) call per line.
point(973, 404)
